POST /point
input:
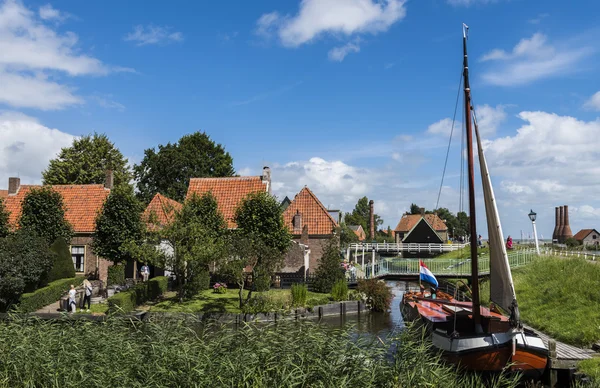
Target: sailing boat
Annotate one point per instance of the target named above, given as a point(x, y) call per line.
point(468, 334)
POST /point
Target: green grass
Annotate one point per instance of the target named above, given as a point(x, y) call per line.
point(209, 302)
point(591, 368)
point(463, 253)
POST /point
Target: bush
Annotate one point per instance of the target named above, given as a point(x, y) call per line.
point(299, 293)
point(329, 270)
point(262, 282)
point(200, 281)
point(116, 275)
point(339, 291)
point(44, 296)
point(260, 304)
point(317, 301)
point(62, 267)
point(127, 301)
point(379, 295)
point(220, 288)
point(571, 242)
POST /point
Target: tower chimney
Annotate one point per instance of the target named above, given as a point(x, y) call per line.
point(13, 185)
point(372, 219)
point(556, 224)
point(109, 182)
point(561, 224)
point(266, 178)
point(566, 232)
point(297, 221)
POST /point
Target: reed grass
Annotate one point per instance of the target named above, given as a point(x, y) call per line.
point(185, 353)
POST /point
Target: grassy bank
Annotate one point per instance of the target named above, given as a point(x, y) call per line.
point(560, 297)
point(121, 353)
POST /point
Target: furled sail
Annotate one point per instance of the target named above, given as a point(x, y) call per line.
point(502, 290)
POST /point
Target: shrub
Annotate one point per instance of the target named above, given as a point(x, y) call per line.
point(339, 291)
point(260, 304)
point(317, 301)
point(299, 293)
point(220, 288)
point(379, 295)
point(127, 301)
point(329, 270)
point(199, 281)
point(116, 275)
point(44, 296)
point(571, 242)
point(62, 267)
point(262, 282)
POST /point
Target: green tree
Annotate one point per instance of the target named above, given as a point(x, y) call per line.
point(4, 226)
point(197, 239)
point(86, 161)
point(347, 235)
point(361, 216)
point(118, 225)
point(415, 209)
point(329, 270)
point(62, 267)
point(168, 170)
point(24, 259)
point(43, 213)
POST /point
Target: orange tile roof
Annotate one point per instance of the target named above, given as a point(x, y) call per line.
point(229, 192)
point(314, 214)
point(408, 221)
point(163, 208)
point(82, 204)
point(582, 234)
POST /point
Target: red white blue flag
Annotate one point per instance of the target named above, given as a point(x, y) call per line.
point(426, 275)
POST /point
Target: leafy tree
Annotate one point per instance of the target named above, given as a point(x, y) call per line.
point(86, 161)
point(24, 259)
point(415, 209)
point(361, 216)
point(329, 270)
point(118, 225)
point(168, 170)
point(197, 238)
point(43, 213)
point(347, 235)
point(62, 267)
point(4, 226)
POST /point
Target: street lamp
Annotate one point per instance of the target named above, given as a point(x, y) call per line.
point(532, 215)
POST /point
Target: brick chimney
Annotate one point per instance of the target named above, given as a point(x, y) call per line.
point(566, 232)
point(14, 184)
point(561, 224)
point(556, 224)
point(422, 210)
point(297, 222)
point(109, 181)
point(372, 219)
point(266, 178)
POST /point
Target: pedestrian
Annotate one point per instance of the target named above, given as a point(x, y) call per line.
point(479, 241)
point(87, 295)
point(72, 302)
point(145, 272)
point(509, 243)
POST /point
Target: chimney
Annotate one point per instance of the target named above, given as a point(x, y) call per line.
point(297, 222)
point(266, 178)
point(561, 224)
point(556, 224)
point(13, 185)
point(372, 219)
point(566, 232)
point(422, 209)
point(109, 180)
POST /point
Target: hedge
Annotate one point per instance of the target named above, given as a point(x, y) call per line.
point(127, 301)
point(47, 295)
point(116, 275)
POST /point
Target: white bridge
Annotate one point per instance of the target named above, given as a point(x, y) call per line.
point(400, 247)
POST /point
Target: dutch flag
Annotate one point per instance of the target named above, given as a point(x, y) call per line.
point(426, 275)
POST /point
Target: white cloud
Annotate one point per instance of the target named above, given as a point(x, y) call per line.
point(337, 18)
point(593, 103)
point(106, 101)
point(338, 54)
point(33, 53)
point(587, 212)
point(444, 127)
point(152, 34)
point(467, 3)
point(27, 146)
point(489, 118)
point(532, 59)
point(47, 12)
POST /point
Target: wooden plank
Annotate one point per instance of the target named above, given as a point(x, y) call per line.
point(565, 354)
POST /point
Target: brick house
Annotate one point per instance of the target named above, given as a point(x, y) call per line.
point(359, 232)
point(421, 228)
point(82, 205)
point(311, 226)
point(588, 237)
point(160, 211)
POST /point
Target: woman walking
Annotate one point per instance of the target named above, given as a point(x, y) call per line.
point(87, 286)
point(72, 302)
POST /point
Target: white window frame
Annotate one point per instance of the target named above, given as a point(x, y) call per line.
point(82, 258)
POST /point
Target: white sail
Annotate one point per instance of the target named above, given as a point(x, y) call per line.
point(502, 289)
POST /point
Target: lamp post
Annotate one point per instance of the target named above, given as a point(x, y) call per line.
point(532, 215)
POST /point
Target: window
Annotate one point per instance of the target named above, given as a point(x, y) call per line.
point(594, 237)
point(78, 255)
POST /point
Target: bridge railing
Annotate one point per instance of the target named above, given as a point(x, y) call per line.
point(400, 247)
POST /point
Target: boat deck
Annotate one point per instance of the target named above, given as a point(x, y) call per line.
point(567, 356)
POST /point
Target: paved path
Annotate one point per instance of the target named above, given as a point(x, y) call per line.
point(51, 308)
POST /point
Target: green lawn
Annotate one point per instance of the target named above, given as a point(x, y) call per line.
point(208, 301)
point(591, 368)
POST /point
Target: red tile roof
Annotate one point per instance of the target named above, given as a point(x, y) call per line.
point(408, 221)
point(229, 192)
point(582, 234)
point(163, 209)
point(314, 214)
point(82, 204)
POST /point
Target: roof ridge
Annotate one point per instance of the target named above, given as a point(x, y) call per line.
point(318, 202)
point(251, 177)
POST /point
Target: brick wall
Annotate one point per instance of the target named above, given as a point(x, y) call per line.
point(92, 263)
point(294, 259)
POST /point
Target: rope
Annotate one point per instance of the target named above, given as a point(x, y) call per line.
point(449, 140)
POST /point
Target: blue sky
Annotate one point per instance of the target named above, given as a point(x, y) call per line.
point(349, 97)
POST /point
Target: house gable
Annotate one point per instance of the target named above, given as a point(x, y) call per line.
point(584, 234)
point(312, 212)
point(422, 233)
point(160, 211)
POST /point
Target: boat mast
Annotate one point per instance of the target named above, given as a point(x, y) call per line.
point(472, 222)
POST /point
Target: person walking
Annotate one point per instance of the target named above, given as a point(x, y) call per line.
point(87, 295)
point(479, 241)
point(145, 272)
point(72, 302)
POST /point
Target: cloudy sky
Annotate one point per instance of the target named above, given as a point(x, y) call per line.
point(348, 97)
